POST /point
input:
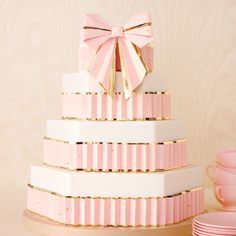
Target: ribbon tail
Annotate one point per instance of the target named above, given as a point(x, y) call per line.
point(124, 72)
point(102, 65)
point(133, 67)
point(113, 72)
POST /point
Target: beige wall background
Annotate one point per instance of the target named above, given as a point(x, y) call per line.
point(195, 42)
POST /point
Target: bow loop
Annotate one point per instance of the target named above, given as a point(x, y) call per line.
point(95, 21)
point(135, 34)
point(138, 19)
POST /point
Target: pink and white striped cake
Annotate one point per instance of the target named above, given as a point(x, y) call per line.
point(116, 157)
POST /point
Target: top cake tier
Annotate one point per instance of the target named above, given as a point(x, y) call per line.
point(84, 99)
point(114, 81)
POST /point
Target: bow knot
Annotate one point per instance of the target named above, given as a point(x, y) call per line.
point(126, 41)
point(117, 31)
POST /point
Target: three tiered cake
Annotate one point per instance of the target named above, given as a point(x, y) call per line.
point(115, 158)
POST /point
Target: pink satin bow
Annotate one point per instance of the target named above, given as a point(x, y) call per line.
point(135, 34)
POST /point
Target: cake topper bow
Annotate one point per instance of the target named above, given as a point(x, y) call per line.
point(126, 41)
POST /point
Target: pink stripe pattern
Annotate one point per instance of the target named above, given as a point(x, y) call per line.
point(127, 212)
point(115, 156)
point(101, 106)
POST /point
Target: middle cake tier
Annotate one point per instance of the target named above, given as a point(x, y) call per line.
point(118, 146)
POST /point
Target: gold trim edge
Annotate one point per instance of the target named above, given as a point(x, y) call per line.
point(113, 170)
point(116, 198)
point(115, 93)
point(92, 142)
point(116, 119)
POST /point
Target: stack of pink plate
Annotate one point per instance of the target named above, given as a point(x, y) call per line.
point(215, 223)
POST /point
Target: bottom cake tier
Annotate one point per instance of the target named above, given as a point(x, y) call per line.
point(109, 211)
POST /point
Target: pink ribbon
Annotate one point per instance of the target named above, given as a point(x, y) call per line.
point(107, 40)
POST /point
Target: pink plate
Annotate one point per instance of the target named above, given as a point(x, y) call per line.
point(198, 232)
point(218, 220)
point(213, 230)
point(203, 234)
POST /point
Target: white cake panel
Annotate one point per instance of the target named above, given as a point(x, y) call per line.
point(82, 82)
point(110, 184)
point(115, 131)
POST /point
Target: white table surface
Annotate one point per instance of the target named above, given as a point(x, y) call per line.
point(13, 202)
